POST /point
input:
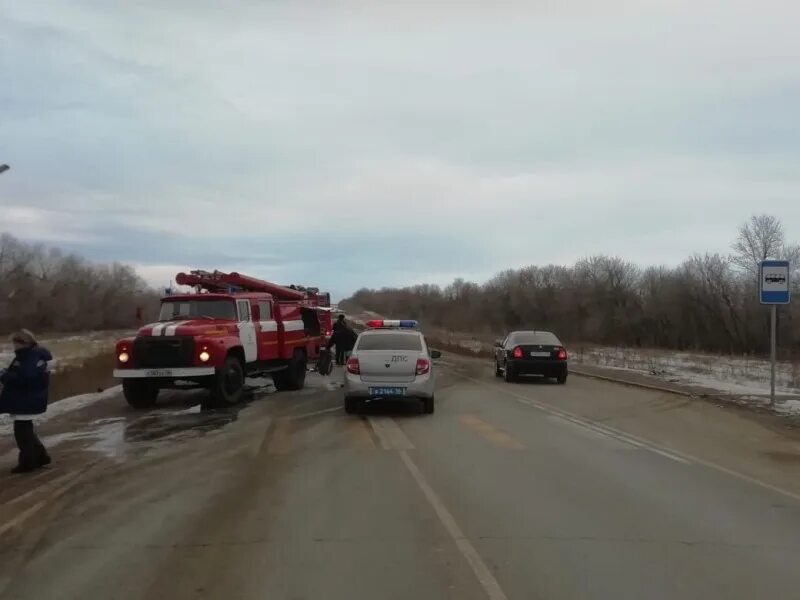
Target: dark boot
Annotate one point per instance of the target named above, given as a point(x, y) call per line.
point(32, 453)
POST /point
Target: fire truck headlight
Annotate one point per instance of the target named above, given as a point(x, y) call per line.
point(123, 357)
point(204, 356)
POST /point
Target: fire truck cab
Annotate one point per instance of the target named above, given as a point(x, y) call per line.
point(230, 327)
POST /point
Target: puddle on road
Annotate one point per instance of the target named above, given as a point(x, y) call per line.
point(119, 437)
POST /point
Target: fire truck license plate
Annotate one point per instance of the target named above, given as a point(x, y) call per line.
point(158, 373)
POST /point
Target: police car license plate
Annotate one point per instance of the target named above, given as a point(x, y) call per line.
point(387, 391)
point(158, 373)
point(540, 354)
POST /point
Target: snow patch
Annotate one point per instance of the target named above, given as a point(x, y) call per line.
point(746, 378)
point(67, 405)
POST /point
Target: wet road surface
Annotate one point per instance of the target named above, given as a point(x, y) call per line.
point(589, 490)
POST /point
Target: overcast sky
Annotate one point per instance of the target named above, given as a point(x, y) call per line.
point(349, 144)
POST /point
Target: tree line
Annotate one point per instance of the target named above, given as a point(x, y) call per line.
point(707, 303)
point(46, 290)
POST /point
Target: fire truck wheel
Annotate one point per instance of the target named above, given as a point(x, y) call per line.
point(293, 377)
point(140, 393)
point(228, 383)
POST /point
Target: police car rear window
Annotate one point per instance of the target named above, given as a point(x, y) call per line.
point(390, 341)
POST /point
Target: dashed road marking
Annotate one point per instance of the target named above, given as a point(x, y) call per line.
point(492, 434)
point(360, 435)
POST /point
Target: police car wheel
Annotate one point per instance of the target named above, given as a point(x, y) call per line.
point(498, 372)
point(428, 405)
point(350, 405)
point(510, 375)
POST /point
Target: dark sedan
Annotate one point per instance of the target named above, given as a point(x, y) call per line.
point(530, 353)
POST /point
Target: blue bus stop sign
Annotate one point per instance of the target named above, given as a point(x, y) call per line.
point(774, 282)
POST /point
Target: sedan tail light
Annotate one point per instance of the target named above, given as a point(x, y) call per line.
point(353, 366)
point(423, 366)
point(562, 354)
point(517, 352)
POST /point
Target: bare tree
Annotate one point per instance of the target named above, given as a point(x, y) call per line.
point(48, 291)
point(703, 304)
point(759, 238)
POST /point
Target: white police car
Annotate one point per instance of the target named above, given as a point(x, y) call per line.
point(390, 361)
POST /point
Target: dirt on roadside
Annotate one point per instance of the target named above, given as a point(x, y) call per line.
point(95, 374)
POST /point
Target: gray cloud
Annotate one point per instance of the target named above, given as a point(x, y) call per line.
point(379, 145)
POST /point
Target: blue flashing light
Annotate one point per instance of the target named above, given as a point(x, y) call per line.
point(392, 324)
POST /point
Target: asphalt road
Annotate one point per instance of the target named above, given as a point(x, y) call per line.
point(519, 491)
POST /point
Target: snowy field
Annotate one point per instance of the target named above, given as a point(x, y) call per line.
point(742, 378)
point(70, 350)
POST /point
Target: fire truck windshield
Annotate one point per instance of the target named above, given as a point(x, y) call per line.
point(197, 309)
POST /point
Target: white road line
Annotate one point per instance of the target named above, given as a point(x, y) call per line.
point(673, 454)
point(611, 440)
point(669, 455)
point(316, 412)
point(482, 572)
point(390, 434)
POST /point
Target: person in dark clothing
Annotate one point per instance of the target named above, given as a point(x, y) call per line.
point(340, 324)
point(338, 327)
point(349, 338)
point(25, 387)
point(344, 339)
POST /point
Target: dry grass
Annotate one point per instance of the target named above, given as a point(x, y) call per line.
point(93, 374)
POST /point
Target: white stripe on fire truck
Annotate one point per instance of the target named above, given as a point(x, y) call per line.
point(267, 326)
point(170, 330)
point(293, 325)
point(158, 329)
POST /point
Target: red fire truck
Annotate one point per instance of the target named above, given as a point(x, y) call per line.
point(230, 327)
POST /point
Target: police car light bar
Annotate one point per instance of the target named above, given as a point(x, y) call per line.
point(383, 324)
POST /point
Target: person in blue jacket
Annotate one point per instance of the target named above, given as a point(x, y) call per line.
point(25, 385)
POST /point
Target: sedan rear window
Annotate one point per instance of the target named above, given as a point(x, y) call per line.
point(538, 338)
point(389, 341)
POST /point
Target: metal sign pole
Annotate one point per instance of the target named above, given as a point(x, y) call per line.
point(773, 351)
point(774, 288)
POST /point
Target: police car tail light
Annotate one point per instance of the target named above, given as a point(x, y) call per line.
point(384, 323)
point(353, 366)
point(562, 354)
point(423, 366)
point(517, 352)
